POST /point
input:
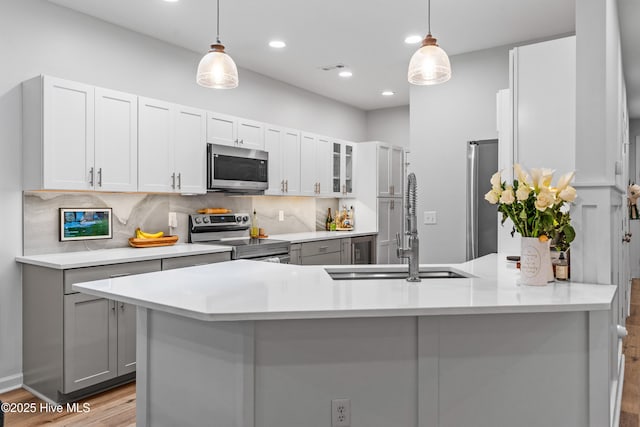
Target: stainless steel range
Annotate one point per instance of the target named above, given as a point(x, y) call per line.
point(221, 229)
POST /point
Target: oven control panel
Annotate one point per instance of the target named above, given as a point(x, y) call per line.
point(218, 220)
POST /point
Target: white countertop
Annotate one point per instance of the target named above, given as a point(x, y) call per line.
point(251, 290)
point(310, 236)
point(65, 260)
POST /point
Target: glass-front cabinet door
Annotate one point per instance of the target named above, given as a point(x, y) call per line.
point(335, 169)
point(348, 169)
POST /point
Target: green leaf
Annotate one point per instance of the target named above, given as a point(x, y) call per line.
point(569, 233)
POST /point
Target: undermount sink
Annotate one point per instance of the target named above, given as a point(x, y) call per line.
point(399, 272)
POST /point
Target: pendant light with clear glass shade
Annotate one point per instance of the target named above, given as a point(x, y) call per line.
point(430, 64)
point(216, 69)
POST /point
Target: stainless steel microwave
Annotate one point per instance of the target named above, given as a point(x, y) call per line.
point(237, 170)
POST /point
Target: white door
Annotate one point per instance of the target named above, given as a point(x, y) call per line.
point(155, 146)
point(116, 141)
point(68, 135)
point(384, 173)
point(250, 134)
point(190, 150)
point(384, 236)
point(397, 171)
point(347, 169)
point(395, 227)
point(308, 165)
point(291, 161)
point(336, 168)
point(273, 144)
point(323, 162)
point(221, 129)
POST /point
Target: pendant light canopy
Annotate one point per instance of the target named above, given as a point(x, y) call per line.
point(430, 64)
point(216, 69)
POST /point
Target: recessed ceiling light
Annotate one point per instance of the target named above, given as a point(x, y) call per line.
point(388, 93)
point(345, 73)
point(413, 39)
point(277, 44)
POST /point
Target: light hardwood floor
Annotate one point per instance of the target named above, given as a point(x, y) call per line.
point(115, 407)
point(630, 416)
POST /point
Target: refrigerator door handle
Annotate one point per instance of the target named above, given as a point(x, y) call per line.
point(472, 202)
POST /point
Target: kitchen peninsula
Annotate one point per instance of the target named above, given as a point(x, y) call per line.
point(246, 343)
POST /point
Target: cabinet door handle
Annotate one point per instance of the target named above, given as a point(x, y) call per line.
point(121, 306)
point(173, 180)
point(282, 186)
point(99, 177)
point(392, 205)
point(113, 276)
point(113, 306)
point(319, 190)
point(391, 190)
point(179, 180)
point(91, 176)
point(286, 185)
point(242, 141)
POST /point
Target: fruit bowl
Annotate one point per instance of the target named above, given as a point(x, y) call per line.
point(152, 242)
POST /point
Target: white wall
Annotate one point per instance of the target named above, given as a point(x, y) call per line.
point(37, 37)
point(389, 125)
point(443, 118)
point(634, 164)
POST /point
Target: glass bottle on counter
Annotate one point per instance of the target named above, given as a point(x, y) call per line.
point(562, 268)
point(254, 230)
point(328, 221)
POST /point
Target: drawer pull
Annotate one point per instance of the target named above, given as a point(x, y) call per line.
point(113, 276)
point(323, 248)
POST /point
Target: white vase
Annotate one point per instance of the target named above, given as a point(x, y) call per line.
point(535, 262)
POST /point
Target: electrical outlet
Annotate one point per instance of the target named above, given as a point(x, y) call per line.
point(280, 215)
point(173, 219)
point(341, 413)
point(430, 217)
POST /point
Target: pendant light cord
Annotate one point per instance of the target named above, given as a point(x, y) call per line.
point(218, 23)
point(429, 16)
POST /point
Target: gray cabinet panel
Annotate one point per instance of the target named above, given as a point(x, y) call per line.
point(86, 274)
point(193, 260)
point(89, 341)
point(332, 258)
point(126, 337)
point(320, 247)
point(295, 254)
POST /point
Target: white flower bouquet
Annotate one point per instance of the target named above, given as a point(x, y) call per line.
point(535, 207)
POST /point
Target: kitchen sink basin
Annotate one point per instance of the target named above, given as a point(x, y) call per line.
point(394, 273)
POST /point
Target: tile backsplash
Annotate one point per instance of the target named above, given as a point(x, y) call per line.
point(41, 222)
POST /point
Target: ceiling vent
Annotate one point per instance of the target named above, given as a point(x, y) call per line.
point(333, 67)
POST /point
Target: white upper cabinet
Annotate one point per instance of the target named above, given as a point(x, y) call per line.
point(155, 146)
point(234, 131)
point(315, 165)
point(390, 171)
point(543, 87)
point(116, 141)
point(283, 146)
point(172, 148)
point(250, 134)
point(78, 137)
point(342, 157)
point(190, 150)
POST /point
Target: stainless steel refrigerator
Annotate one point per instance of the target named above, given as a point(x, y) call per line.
point(482, 217)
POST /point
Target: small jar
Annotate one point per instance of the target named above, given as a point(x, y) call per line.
point(562, 268)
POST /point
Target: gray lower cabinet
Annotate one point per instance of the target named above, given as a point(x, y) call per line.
point(322, 252)
point(90, 341)
point(75, 344)
point(193, 260)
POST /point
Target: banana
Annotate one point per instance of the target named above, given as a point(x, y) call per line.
point(142, 235)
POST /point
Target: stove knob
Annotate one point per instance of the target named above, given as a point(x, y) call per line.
point(238, 219)
point(245, 218)
point(197, 220)
point(205, 219)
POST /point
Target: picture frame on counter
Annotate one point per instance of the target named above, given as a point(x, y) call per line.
point(85, 224)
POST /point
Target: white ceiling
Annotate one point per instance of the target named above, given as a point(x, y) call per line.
point(366, 35)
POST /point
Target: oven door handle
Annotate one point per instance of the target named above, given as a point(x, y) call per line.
point(228, 227)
